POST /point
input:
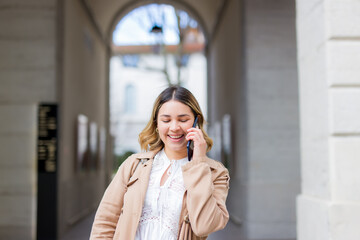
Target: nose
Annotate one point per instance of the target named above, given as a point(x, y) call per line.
point(174, 126)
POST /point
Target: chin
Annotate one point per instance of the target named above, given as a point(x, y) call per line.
point(176, 147)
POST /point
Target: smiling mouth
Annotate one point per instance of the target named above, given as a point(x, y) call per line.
point(175, 137)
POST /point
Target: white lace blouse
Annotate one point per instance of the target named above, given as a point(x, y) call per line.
point(162, 206)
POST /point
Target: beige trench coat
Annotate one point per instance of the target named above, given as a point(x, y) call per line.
point(203, 212)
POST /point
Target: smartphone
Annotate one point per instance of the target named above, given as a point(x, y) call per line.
point(190, 144)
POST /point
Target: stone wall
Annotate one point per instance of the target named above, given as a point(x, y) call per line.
point(27, 77)
point(272, 179)
point(83, 90)
point(253, 76)
point(328, 55)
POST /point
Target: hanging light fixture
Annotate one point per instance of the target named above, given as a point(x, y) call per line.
point(156, 29)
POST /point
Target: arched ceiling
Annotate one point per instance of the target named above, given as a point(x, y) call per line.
point(106, 13)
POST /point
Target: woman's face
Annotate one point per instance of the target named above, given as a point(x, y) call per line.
point(174, 118)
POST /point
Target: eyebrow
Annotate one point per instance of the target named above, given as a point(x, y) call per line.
point(181, 115)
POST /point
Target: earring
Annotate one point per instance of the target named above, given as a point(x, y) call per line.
point(157, 130)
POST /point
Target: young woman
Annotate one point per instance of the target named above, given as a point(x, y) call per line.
point(160, 194)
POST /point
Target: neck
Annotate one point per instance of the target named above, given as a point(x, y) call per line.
point(175, 155)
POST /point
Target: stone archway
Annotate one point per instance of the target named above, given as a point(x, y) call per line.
point(154, 66)
point(120, 13)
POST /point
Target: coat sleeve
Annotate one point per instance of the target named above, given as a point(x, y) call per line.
point(206, 196)
point(109, 210)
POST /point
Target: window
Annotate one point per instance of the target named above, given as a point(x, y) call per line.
point(130, 60)
point(130, 99)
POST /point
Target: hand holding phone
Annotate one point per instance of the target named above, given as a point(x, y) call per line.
point(190, 144)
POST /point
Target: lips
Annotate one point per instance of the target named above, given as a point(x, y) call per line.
point(176, 138)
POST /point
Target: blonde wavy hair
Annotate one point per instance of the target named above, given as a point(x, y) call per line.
point(149, 138)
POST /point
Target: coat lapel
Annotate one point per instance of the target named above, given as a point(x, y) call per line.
point(144, 179)
point(144, 175)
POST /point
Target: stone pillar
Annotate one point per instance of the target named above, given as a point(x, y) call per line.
point(328, 34)
point(271, 174)
point(27, 78)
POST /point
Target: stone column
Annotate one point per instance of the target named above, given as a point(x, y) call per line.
point(328, 35)
point(27, 78)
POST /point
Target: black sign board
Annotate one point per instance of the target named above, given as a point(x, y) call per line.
point(47, 138)
point(47, 171)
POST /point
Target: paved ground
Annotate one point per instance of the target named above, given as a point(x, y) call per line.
point(81, 231)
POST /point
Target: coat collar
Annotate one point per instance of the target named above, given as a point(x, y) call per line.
point(149, 155)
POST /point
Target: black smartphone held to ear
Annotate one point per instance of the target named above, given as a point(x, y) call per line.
point(190, 144)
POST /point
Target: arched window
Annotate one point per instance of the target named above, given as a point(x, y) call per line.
point(157, 45)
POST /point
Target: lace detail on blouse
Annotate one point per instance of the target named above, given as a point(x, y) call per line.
point(162, 206)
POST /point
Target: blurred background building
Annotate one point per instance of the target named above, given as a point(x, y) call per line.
point(278, 80)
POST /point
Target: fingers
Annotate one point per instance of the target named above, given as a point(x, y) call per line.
point(194, 134)
point(200, 144)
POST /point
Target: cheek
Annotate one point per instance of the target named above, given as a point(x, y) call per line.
point(187, 126)
point(162, 129)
